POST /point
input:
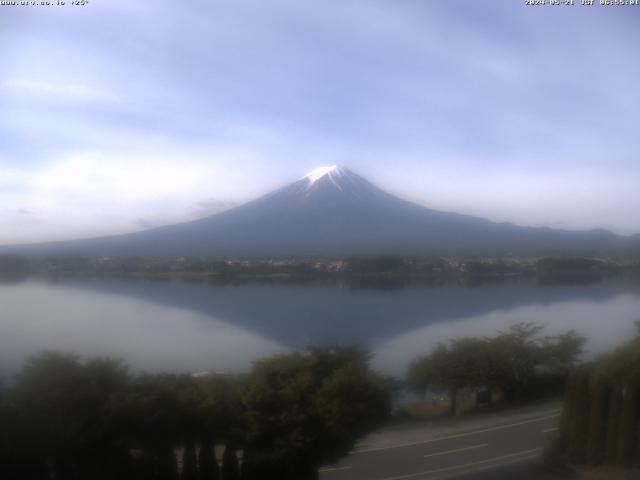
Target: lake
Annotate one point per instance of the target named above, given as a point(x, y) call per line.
point(186, 326)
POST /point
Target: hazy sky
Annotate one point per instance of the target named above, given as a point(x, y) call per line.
point(123, 114)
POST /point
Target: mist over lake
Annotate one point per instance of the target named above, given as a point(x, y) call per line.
point(182, 326)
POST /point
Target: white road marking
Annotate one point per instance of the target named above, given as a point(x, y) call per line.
point(523, 454)
point(333, 469)
point(548, 430)
point(482, 445)
point(484, 468)
point(459, 435)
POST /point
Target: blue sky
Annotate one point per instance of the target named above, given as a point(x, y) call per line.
point(122, 115)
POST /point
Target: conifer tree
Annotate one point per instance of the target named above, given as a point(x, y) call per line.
point(209, 469)
point(189, 462)
point(630, 423)
point(598, 416)
point(613, 423)
point(568, 408)
point(578, 435)
point(230, 466)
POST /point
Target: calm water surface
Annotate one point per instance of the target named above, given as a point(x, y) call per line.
point(196, 326)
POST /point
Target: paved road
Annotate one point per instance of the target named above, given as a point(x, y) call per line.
point(498, 450)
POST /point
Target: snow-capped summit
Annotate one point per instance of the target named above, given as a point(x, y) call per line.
point(331, 173)
point(315, 175)
point(333, 183)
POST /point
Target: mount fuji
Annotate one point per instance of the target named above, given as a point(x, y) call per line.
point(335, 211)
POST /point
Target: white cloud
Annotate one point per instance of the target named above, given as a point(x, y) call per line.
point(63, 91)
point(97, 193)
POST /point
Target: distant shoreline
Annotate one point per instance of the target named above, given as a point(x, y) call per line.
point(384, 271)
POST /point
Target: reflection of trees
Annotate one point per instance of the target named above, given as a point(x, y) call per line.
point(13, 268)
point(69, 418)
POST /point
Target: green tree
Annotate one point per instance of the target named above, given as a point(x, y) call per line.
point(561, 353)
point(156, 412)
point(461, 364)
point(67, 409)
point(614, 423)
point(307, 409)
point(72, 418)
point(579, 428)
point(612, 402)
point(208, 465)
point(518, 354)
point(629, 437)
point(597, 433)
point(516, 362)
point(189, 462)
point(230, 465)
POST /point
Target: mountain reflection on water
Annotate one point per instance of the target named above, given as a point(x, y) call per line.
point(193, 326)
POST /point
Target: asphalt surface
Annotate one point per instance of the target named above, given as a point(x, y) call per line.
point(499, 450)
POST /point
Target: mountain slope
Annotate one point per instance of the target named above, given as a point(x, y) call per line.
point(333, 210)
